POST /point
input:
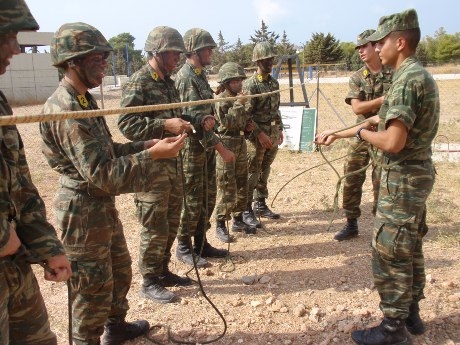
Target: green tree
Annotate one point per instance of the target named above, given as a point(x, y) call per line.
point(220, 54)
point(241, 53)
point(285, 47)
point(323, 49)
point(264, 35)
point(351, 56)
point(448, 48)
point(123, 48)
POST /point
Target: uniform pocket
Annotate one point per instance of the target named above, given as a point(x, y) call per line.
point(393, 241)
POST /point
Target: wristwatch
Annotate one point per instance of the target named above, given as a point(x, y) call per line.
point(358, 134)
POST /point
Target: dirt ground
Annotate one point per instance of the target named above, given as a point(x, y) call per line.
point(307, 288)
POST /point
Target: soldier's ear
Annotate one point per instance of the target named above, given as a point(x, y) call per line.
point(71, 64)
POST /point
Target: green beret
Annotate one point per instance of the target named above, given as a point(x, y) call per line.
point(405, 20)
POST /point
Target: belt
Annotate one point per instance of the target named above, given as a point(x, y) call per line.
point(271, 122)
point(233, 133)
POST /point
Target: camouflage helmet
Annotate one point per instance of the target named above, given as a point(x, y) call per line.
point(263, 50)
point(196, 39)
point(15, 16)
point(74, 40)
point(164, 38)
point(230, 70)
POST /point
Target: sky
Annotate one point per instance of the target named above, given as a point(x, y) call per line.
point(241, 18)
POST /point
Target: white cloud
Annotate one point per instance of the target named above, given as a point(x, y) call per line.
point(269, 10)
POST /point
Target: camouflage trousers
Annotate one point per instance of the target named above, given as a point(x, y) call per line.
point(93, 237)
point(358, 158)
point(159, 213)
point(232, 180)
point(259, 163)
point(23, 315)
point(200, 188)
point(399, 228)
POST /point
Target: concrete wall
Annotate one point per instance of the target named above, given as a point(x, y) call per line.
point(30, 78)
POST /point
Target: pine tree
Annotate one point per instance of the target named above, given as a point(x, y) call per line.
point(264, 35)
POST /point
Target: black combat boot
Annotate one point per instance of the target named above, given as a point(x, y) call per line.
point(349, 231)
point(239, 226)
point(207, 251)
point(118, 333)
point(171, 279)
point(184, 253)
point(249, 218)
point(414, 323)
point(389, 332)
point(152, 288)
point(222, 232)
point(261, 209)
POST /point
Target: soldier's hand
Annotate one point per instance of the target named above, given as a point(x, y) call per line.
point(60, 267)
point(227, 155)
point(177, 126)
point(265, 140)
point(208, 122)
point(13, 243)
point(325, 138)
point(168, 147)
point(149, 143)
point(281, 138)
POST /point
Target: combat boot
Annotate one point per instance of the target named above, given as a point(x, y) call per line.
point(118, 333)
point(389, 332)
point(414, 323)
point(184, 253)
point(171, 279)
point(222, 232)
point(202, 246)
point(249, 218)
point(261, 209)
point(153, 289)
point(239, 226)
point(349, 231)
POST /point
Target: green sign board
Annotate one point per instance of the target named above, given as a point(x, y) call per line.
point(308, 130)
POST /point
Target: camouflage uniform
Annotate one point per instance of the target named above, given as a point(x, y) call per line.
point(400, 224)
point(93, 169)
point(199, 155)
point(23, 315)
point(364, 86)
point(267, 117)
point(232, 177)
point(158, 210)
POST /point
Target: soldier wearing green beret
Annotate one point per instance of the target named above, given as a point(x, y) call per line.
point(408, 121)
point(26, 236)
point(367, 87)
point(94, 169)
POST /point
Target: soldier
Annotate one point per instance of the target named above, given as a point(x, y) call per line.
point(232, 177)
point(199, 154)
point(158, 210)
point(267, 134)
point(25, 234)
point(408, 122)
point(94, 169)
point(366, 89)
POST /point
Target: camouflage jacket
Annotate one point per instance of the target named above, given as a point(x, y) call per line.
point(232, 115)
point(413, 99)
point(366, 86)
point(19, 197)
point(264, 110)
point(192, 85)
point(146, 88)
point(83, 152)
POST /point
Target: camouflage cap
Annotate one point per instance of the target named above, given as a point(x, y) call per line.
point(196, 39)
point(263, 50)
point(363, 38)
point(405, 20)
point(164, 38)
point(230, 70)
point(15, 16)
point(74, 40)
